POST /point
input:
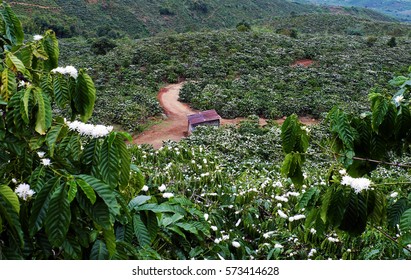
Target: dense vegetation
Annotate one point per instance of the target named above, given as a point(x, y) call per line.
point(72, 190)
point(242, 73)
point(140, 18)
point(398, 9)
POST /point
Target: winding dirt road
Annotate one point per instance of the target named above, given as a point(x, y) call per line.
point(175, 126)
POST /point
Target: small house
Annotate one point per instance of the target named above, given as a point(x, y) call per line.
point(209, 117)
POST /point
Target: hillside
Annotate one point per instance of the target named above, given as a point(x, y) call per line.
point(244, 73)
point(140, 18)
point(400, 9)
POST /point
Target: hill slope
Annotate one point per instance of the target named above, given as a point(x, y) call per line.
point(140, 18)
point(400, 9)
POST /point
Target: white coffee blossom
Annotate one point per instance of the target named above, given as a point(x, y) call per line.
point(236, 244)
point(333, 240)
point(37, 37)
point(214, 228)
point(343, 171)
point(394, 195)
point(313, 230)
point(399, 98)
point(41, 154)
point(162, 188)
point(90, 130)
point(145, 188)
point(312, 252)
point(206, 216)
point(281, 198)
point(68, 70)
point(24, 192)
point(14, 181)
point(282, 214)
point(268, 234)
point(278, 246)
point(358, 184)
point(168, 195)
point(45, 161)
point(238, 223)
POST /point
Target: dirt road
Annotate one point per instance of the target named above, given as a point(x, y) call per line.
point(175, 126)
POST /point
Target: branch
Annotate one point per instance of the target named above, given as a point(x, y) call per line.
point(383, 162)
point(391, 238)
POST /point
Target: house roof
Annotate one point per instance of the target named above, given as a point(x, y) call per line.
point(205, 116)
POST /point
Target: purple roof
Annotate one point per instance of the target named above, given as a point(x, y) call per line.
point(205, 116)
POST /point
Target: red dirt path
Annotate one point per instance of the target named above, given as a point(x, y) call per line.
point(303, 62)
point(175, 126)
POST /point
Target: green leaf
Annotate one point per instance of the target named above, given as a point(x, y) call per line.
point(290, 133)
point(52, 137)
point(10, 196)
point(99, 251)
point(44, 116)
point(51, 47)
point(16, 65)
point(141, 231)
point(104, 191)
point(84, 96)
point(87, 189)
point(110, 240)
point(58, 217)
point(379, 108)
point(14, 30)
point(138, 200)
point(355, 216)
point(71, 250)
point(188, 227)
point(108, 163)
point(8, 84)
point(395, 211)
point(72, 190)
point(61, 91)
point(41, 204)
point(335, 202)
point(405, 222)
point(291, 168)
point(26, 99)
point(307, 197)
point(152, 225)
point(7, 211)
point(124, 158)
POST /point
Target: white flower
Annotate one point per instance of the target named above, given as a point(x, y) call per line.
point(343, 171)
point(281, 198)
point(282, 214)
point(226, 237)
point(145, 188)
point(313, 230)
point(167, 195)
point(297, 217)
point(214, 228)
point(41, 154)
point(238, 223)
point(312, 252)
point(90, 130)
point(236, 244)
point(45, 161)
point(348, 250)
point(333, 240)
point(217, 240)
point(206, 217)
point(68, 70)
point(268, 234)
point(24, 192)
point(14, 181)
point(278, 246)
point(394, 195)
point(162, 188)
point(358, 184)
point(399, 98)
point(37, 37)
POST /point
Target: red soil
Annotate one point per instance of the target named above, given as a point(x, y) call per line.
point(175, 126)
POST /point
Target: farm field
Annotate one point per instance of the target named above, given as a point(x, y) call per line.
point(85, 173)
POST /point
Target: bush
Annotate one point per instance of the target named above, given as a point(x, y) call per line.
point(102, 45)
